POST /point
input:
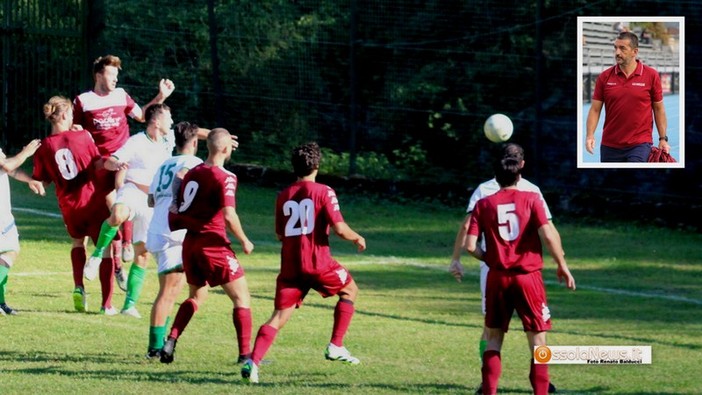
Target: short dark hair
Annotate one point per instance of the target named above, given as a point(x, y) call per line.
point(107, 60)
point(305, 159)
point(633, 39)
point(513, 150)
point(507, 171)
point(184, 132)
point(154, 110)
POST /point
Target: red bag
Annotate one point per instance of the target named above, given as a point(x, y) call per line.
point(660, 156)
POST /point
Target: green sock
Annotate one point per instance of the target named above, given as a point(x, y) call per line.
point(156, 337)
point(135, 283)
point(107, 233)
point(3, 281)
point(482, 347)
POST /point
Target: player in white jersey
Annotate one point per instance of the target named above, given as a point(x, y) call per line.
point(9, 237)
point(167, 246)
point(140, 158)
point(485, 189)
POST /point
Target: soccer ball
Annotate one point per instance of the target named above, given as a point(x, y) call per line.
point(498, 128)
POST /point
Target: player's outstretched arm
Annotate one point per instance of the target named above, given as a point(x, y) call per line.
point(343, 230)
point(553, 244)
point(9, 165)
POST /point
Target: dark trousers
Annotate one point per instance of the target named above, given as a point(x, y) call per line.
point(636, 153)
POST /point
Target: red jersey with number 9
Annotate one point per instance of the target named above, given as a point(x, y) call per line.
point(303, 213)
point(510, 221)
point(204, 192)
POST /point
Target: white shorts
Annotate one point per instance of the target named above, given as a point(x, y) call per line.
point(9, 238)
point(139, 211)
point(484, 269)
point(167, 250)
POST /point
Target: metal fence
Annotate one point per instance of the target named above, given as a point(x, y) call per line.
point(42, 55)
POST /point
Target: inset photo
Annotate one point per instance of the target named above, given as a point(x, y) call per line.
point(631, 92)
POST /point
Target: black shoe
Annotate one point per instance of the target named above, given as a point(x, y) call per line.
point(551, 388)
point(5, 309)
point(242, 358)
point(153, 353)
point(168, 350)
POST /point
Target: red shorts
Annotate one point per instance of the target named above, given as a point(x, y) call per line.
point(205, 263)
point(105, 181)
point(291, 291)
point(506, 292)
point(86, 220)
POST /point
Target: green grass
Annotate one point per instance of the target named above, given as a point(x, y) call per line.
point(415, 329)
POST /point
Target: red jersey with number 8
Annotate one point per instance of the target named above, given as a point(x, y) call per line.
point(510, 221)
point(303, 213)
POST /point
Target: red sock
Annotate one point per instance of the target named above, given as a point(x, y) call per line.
point(492, 368)
point(182, 318)
point(77, 263)
point(538, 375)
point(242, 323)
point(343, 312)
point(127, 231)
point(116, 246)
point(107, 278)
point(264, 339)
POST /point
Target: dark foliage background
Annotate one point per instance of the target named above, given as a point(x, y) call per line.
point(395, 90)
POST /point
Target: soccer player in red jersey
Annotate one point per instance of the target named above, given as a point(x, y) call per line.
point(103, 111)
point(514, 224)
point(68, 158)
point(207, 209)
point(632, 95)
point(304, 213)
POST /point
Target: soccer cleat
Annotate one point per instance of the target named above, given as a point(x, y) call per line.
point(121, 279)
point(127, 252)
point(335, 353)
point(7, 310)
point(80, 300)
point(551, 389)
point(153, 353)
point(243, 358)
point(132, 311)
point(249, 372)
point(168, 350)
point(90, 270)
point(110, 311)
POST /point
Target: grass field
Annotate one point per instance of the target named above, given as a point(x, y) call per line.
point(415, 330)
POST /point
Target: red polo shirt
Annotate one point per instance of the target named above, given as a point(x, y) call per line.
point(627, 101)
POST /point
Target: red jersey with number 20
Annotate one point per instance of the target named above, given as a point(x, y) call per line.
point(510, 221)
point(204, 192)
point(303, 213)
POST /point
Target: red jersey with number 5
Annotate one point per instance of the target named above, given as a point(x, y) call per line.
point(510, 221)
point(204, 192)
point(303, 213)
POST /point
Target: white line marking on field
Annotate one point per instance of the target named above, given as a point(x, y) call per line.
point(39, 212)
point(392, 260)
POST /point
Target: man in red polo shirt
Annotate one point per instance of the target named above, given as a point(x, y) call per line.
point(632, 94)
